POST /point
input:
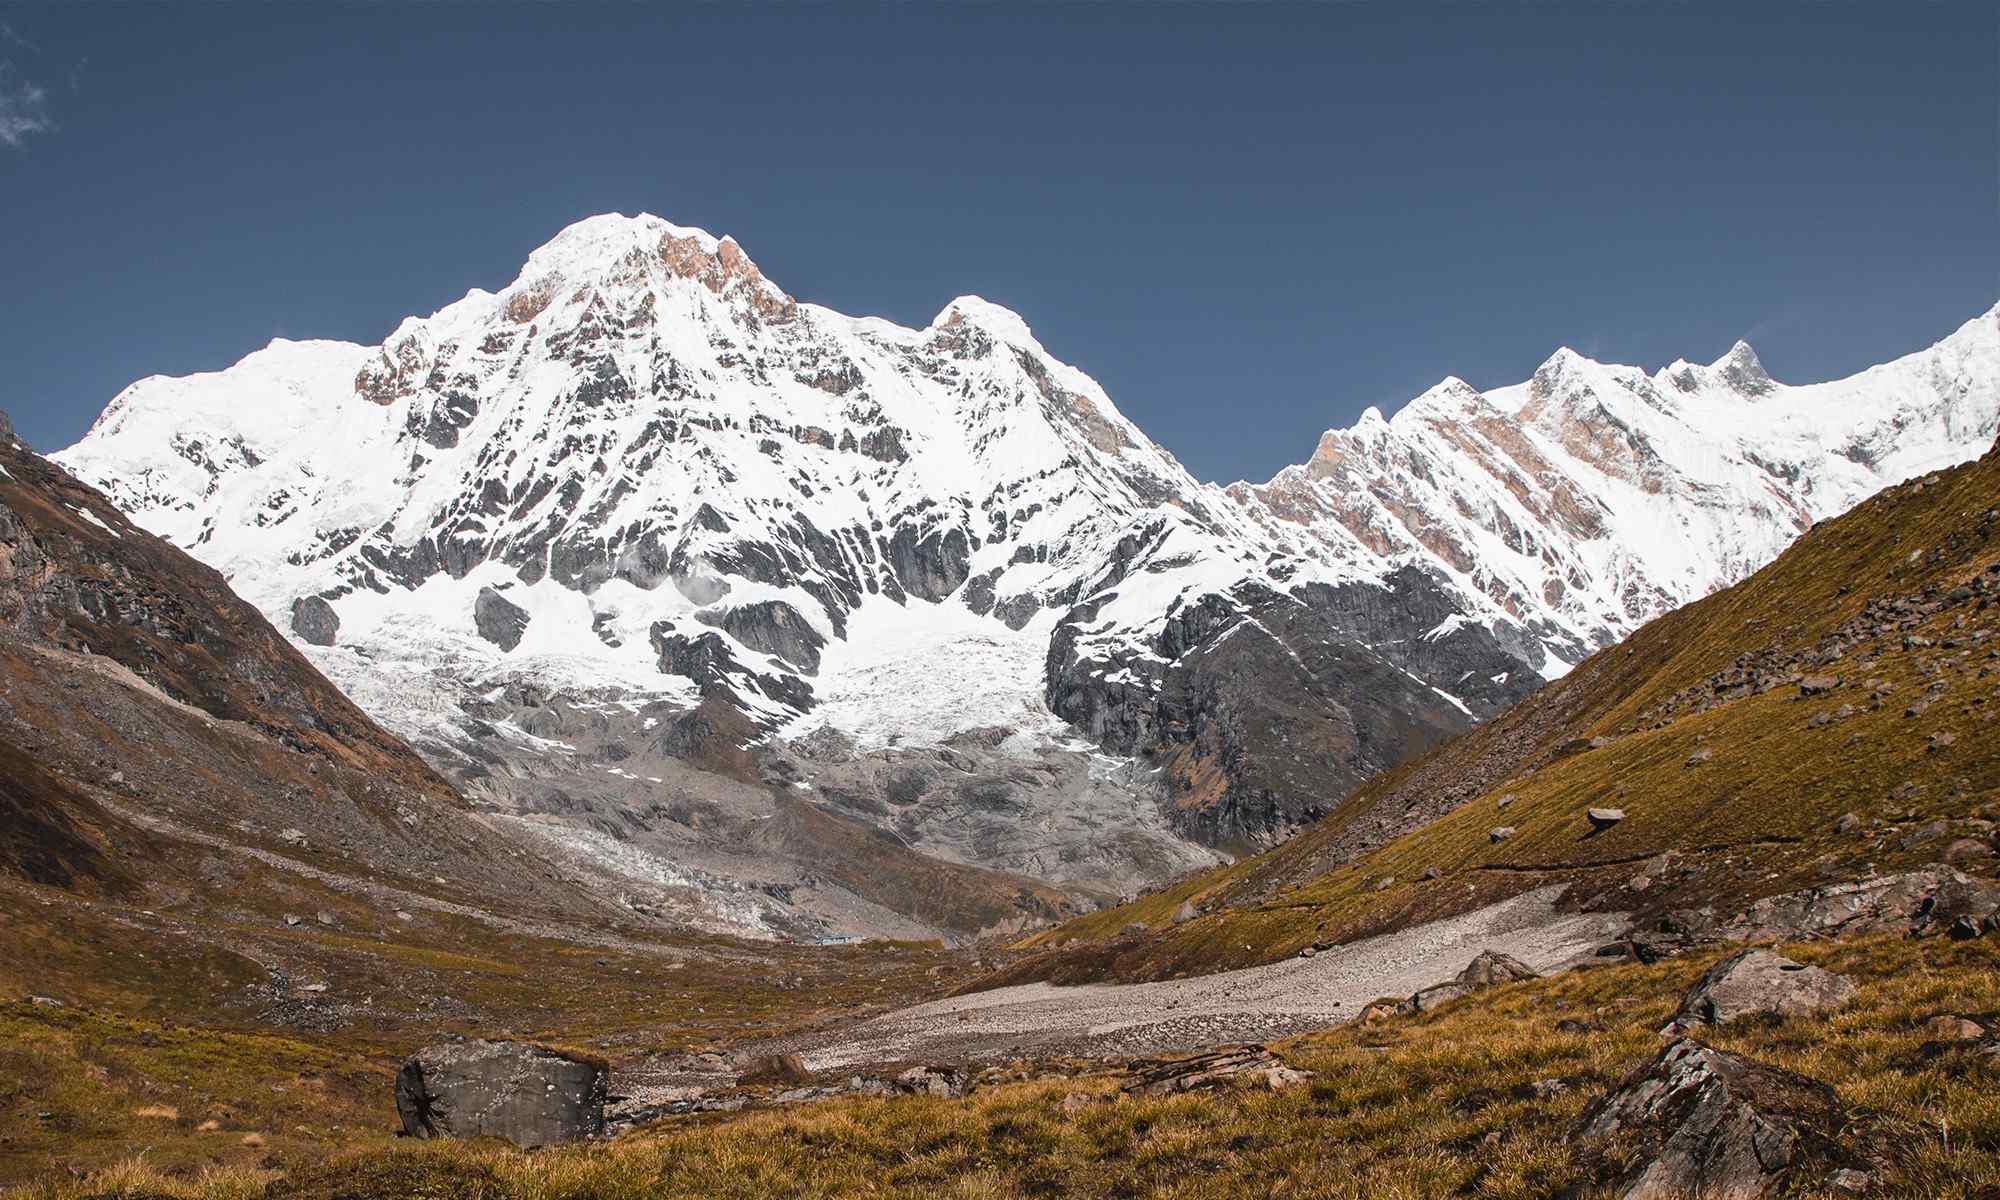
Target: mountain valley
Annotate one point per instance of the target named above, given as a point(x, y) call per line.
point(876, 768)
point(685, 577)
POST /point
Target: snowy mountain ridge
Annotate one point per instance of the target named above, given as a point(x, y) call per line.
point(643, 477)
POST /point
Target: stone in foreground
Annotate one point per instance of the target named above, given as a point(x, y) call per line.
point(1704, 1122)
point(1758, 981)
point(527, 1094)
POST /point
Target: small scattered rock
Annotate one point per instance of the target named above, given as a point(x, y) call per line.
point(946, 1082)
point(1849, 1182)
point(1942, 741)
point(1948, 1027)
point(1700, 756)
point(1185, 913)
point(1506, 800)
point(1602, 819)
point(1847, 823)
point(1500, 833)
point(1965, 850)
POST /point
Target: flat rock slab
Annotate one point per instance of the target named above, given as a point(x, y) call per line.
point(1918, 903)
point(527, 1094)
point(1696, 1121)
point(1759, 981)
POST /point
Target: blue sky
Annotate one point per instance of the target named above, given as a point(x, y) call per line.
point(1248, 221)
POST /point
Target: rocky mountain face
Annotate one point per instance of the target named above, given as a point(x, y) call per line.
point(1805, 752)
point(640, 541)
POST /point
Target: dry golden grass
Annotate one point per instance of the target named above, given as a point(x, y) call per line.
point(1423, 1107)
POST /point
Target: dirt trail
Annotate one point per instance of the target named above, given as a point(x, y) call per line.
point(1255, 1004)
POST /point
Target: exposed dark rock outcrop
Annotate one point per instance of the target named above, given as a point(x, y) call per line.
point(1930, 900)
point(314, 620)
point(499, 620)
point(1696, 1121)
point(1266, 707)
point(771, 627)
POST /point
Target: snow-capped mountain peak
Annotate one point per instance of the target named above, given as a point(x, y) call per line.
point(643, 469)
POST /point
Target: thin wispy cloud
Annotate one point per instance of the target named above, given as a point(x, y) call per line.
point(24, 107)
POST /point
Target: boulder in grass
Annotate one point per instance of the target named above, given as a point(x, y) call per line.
point(1602, 819)
point(1488, 968)
point(528, 1094)
point(1759, 981)
point(788, 1069)
point(1696, 1121)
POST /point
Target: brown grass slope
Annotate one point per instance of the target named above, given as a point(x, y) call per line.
point(1902, 592)
point(1475, 1099)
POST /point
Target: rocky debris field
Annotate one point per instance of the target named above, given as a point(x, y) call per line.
point(1253, 1005)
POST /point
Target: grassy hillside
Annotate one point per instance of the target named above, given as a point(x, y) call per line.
point(1473, 1099)
point(1698, 727)
point(126, 1025)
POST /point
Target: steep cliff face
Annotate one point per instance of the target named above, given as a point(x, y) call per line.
point(643, 475)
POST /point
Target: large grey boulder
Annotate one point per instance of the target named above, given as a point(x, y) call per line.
point(1488, 968)
point(499, 620)
point(1696, 1121)
point(314, 620)
point(530, 1095)
point(1758, 981)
